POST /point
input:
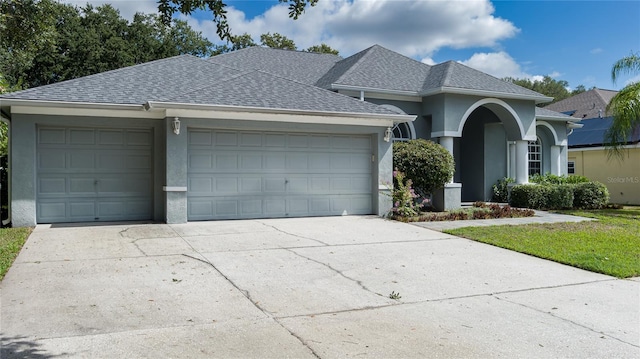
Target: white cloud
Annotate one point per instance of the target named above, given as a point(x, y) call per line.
point(501, 64)
point(413, 28)
point(428, 61)
point(127, 8)
point(555, 74)
point(597, 50)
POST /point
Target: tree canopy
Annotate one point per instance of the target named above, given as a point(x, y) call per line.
point(277, 41)
point(44, 41)
point(625, 106)
point(548, 87)
point(217, 8)
point(274, 41)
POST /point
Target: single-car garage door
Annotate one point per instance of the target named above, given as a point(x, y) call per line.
point(93, 174)
point(242, 174)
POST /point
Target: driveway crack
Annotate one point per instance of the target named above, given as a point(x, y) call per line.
point(358, 282)
point(565, 320)
point(292, 234)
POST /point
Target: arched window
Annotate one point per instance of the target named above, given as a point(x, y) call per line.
point(403, 131)
point(535, 157)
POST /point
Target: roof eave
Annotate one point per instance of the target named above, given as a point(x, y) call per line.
point(69, 104)
point(375, 90)
point(372, 119)
point(485, 93)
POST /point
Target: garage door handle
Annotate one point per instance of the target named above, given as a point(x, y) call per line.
point(95, 182)
point(286, 181)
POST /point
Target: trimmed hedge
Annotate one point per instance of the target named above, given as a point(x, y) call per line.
point(590, 195)
point(427, 164)
point(585, 195)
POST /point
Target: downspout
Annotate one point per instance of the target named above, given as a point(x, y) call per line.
point(5, 117)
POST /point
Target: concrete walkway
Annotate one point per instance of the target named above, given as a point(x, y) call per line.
point(539, 217)
point(303, 288)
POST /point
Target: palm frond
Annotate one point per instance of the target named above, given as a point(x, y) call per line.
point(626, 65)
point(625, 107)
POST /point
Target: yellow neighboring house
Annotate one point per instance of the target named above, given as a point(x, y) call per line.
point(587, 154)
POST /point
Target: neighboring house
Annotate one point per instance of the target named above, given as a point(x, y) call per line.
point(262, 133)
point(587, 152)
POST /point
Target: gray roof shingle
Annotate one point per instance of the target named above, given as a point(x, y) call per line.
point(456, 75)
point(305, 67)
point(544, 112)
point(135, 84)
point(379, 68)
point(262, 90)
point(589, 104)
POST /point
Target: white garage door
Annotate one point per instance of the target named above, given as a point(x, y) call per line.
point(91, 174)
point(234, 174)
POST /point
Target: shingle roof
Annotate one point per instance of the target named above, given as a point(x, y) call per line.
point(592, 133)
point(589, 104)
point(135, 84)
point(305, 67)
point(188, 79)
point(379, 68)
point(262, 90)
point(456, 75)
point(544, 112)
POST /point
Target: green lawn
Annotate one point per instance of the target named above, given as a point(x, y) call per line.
point(610, 245)
point(11, 241)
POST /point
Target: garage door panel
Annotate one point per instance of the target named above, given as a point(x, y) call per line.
point(277, 175)
point(52, 159)
point(82, 137)
point(89, 174)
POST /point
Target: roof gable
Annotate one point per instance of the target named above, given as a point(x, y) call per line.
point(588, 104)
point(453, 74)
point(377, 68)
point(300, 66)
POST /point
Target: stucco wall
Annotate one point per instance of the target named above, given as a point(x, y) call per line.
point(621, 178)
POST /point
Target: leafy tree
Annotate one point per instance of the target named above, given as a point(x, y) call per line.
point(277, 41)
point(85, 41)
point(26, 27)
point(625, 106)
point(322, 49)
point(548, 87)
point(167, 8)
point(237, 42)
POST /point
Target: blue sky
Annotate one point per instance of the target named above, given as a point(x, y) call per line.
point(576, 41)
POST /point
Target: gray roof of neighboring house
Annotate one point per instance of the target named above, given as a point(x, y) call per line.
point(301, 66)
point(592, 133)
point(188, 79)
point(589, 104)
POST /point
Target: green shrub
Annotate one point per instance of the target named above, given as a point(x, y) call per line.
point(560, 196)
point(501, 190)
point(426, 163)
point(529, 196)
point(590, 195)
point(554, 179)
point(405, 202)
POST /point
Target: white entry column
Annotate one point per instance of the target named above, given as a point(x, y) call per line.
point(522, 161)
point(447, 143)
point(512, 159)
point(556, 160)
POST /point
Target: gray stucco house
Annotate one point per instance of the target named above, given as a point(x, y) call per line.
point(262, 133)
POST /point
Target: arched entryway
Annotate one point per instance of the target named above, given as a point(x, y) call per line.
point(482, 150)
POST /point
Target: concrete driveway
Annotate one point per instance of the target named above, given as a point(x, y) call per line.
point(303, 288)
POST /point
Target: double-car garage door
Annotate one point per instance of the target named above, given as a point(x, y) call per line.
point(244, 174)
point(106, 174)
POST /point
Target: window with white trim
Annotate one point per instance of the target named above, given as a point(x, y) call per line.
point(403, 131)
point(571, 167)
point(535, 157)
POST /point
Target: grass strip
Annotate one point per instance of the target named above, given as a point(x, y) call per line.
point(11, 242)
point(610, 245)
